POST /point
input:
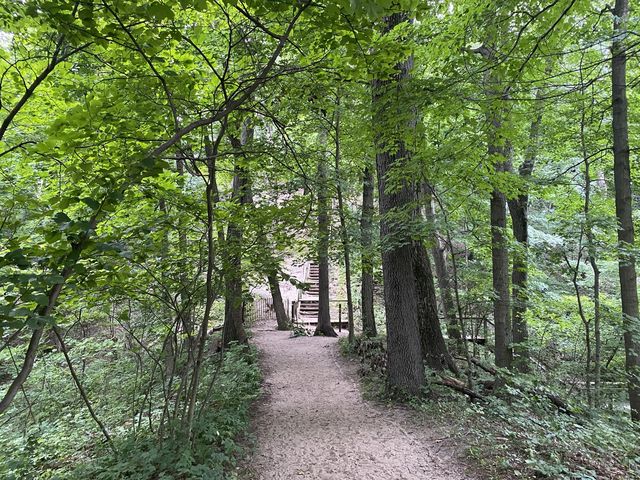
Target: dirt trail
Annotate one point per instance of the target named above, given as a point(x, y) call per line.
point(312, 422)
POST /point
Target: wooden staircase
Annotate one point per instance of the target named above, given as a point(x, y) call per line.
point(308, 302)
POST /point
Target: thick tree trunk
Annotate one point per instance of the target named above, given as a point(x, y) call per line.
point(366, 241)
point(434, 348)
point(324, 316)
point(404, 367)
point(624, 204)
point(278, 305)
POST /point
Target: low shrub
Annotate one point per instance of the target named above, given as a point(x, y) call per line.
point(63, 444)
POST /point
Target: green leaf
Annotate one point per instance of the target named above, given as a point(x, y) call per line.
point(91, 202)
point(61, 218)
point(160, 11)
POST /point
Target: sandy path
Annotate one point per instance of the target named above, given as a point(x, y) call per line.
point(312, 422)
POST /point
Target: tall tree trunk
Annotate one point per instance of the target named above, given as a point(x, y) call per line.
point(366, 242)
point(519, 209)
point(499, 152)
point(438, 249)
point(278, 305)
point(624, 203)
point(404, 352)
point(324, 316)
point(233, 330)
point(594, 399)
point(344, 235)
point(500, 274)
point(434, 348)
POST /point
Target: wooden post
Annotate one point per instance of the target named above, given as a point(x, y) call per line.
point(339, 317)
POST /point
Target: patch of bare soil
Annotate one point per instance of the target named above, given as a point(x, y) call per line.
point(312, 422)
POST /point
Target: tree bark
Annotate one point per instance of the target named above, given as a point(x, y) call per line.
point(324, 315)
point(519, 210)
point(278, 305)
point(624, 204)
point(233, 320)
point(434, 348)
point(498, 151)
point(438, 250)
point(346, 247)
point(500, 274)
point(405, 368)
point(366, 242)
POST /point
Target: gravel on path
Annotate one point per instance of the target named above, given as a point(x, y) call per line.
point(312, 423)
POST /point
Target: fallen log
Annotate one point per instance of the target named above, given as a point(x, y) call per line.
point(478, 363)
point(459, 386)
point(559, 402)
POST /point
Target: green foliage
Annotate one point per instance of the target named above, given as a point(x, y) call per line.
point(527, 437)
point(60, 439)
point(300, 331)
point(124, 133)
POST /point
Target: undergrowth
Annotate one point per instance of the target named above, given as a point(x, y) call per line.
point(520, 434)
point(59, 441)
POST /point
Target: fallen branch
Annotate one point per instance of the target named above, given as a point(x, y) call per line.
point(459, 386)
point(559, 402)
point(478, 363)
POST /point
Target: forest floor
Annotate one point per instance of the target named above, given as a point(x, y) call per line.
point(312, 421)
